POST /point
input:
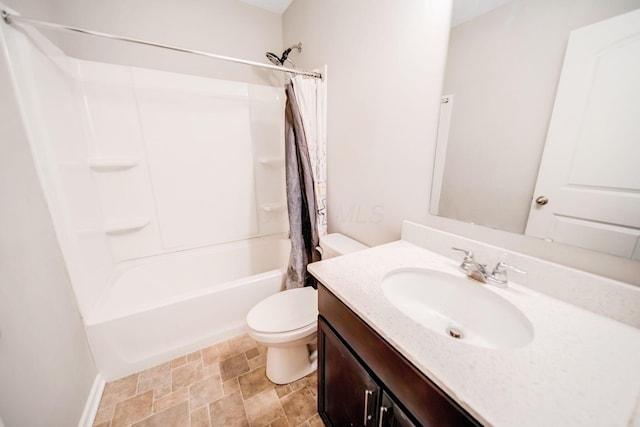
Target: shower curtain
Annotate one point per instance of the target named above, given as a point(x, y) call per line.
point(305, 162)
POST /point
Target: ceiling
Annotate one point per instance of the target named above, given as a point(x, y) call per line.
point(277, 6)
point(463, 10)
point(466, 10)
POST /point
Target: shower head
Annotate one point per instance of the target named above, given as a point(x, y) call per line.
point(285, 55)
point(274, 59)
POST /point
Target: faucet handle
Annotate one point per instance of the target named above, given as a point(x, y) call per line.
point(468, 255)
point(502, 267)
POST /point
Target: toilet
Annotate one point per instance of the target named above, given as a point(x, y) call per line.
point(286, 322)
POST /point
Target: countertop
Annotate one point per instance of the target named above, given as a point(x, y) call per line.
point(580, 369)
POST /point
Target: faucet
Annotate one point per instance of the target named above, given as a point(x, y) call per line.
point(478, 271)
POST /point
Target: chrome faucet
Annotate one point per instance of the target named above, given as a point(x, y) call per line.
point(471, 267)
point(478, 271)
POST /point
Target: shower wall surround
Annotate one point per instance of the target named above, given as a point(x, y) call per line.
point(137, 162)
point(173, 156)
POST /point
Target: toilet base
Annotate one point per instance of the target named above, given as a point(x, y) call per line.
point(288, 364)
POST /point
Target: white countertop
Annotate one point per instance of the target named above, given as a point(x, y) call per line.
point(581, 369)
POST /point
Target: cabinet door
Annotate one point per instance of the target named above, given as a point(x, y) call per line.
point(391, 415)
point(347, 396)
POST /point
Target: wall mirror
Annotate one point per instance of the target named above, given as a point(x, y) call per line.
point(539, 132)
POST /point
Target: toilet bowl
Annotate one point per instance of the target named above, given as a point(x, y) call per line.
point(286, 322)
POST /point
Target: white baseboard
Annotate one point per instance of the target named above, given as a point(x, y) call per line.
point(93, 401)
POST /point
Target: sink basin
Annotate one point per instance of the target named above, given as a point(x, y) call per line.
point(458, 307)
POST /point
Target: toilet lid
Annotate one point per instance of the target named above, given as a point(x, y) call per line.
point(285, 311)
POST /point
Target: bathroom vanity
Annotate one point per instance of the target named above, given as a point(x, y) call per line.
point(379, 366)
point(362, 379)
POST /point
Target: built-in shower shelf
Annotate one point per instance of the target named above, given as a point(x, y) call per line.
point(106, 164)
point(271, 161)
point(273, 207)
point(127, 225)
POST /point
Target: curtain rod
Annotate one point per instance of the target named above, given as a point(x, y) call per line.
point(10, 18)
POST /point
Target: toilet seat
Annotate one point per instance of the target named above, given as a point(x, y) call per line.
point(290, 313)
point(286, 339)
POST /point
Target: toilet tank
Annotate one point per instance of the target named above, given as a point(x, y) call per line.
point(336, 244)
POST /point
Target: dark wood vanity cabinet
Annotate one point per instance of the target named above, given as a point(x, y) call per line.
point(363, 381)
point(392, 414)
point(349, 392)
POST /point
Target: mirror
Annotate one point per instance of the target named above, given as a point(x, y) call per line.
point(504, 73)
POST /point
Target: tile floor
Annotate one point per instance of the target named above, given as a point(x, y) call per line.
point(223, 385)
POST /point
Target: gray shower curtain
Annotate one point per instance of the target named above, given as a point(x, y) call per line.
point(301, 202)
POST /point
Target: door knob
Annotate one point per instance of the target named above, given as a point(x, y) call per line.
point(541, 201)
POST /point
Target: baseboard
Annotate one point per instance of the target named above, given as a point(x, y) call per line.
point(93, 401)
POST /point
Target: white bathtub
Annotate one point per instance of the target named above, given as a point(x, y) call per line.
point(166, 306)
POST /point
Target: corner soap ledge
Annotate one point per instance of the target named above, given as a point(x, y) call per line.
point(105, 164)
point(126, 225)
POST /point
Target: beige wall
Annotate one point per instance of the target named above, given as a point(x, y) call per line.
point(225, 27)
point(385, 64)
point(46, 369)
point(503, 69)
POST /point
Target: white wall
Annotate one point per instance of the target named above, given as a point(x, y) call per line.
point(46, 369)
point(385, 61)
point(225, 27)
point(38, 9)
point(503, 69)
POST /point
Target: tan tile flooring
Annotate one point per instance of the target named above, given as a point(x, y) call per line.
point(223, 385)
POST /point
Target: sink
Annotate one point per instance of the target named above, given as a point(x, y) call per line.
point(458, 307)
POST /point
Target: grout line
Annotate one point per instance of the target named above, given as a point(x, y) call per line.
point(209, 413)
point(137, 385)
point(189, 400)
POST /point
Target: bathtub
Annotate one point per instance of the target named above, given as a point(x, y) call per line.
point(165, 306)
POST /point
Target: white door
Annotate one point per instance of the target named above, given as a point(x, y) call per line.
point(590, 171)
